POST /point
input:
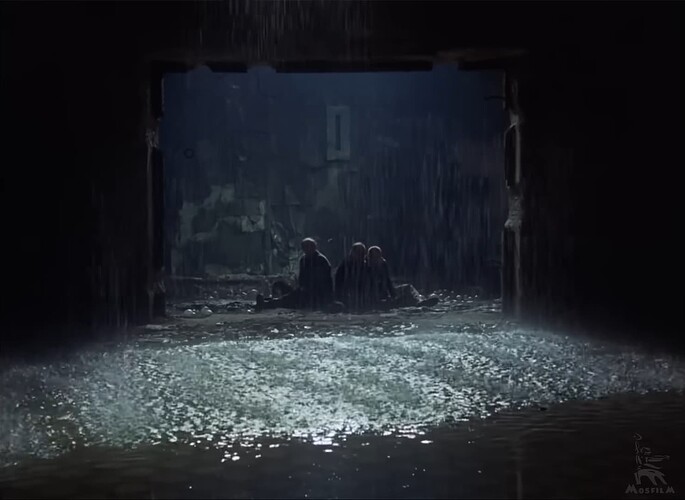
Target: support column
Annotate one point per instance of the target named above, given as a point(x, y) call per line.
point(511, 235)
point(155, 199)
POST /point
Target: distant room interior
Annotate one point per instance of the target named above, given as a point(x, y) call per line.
point(409, 161)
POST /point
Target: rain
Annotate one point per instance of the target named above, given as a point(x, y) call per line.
point(306, 249)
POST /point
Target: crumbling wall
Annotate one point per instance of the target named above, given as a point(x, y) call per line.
point(74, 84)
point(252, 167)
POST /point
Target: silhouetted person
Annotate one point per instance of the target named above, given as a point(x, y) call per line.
point(380, 287)
point(351, 279)
point(314, 283)
point(381, 291)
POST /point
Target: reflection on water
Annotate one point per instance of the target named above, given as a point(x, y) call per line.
point(228, 400)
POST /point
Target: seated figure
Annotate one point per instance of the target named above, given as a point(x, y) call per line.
point(314, 284)
point(382, 294)
point(351, 279)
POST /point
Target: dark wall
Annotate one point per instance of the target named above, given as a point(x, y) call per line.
point(602, 185)
point(73, 175)
point(246, 161)
point(602, 96)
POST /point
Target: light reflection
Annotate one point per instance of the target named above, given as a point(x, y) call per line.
point(226, 393)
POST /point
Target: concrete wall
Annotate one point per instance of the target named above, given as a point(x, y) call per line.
point(251, 167)
point(78, 240)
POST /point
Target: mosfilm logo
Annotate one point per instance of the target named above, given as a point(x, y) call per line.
point(649, 479)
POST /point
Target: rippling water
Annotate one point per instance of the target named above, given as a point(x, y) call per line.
point(214, 390)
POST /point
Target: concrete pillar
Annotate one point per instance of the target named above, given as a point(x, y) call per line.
point(511, 234)
point(154, 178)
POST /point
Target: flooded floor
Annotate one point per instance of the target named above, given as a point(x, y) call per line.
point(450, 402)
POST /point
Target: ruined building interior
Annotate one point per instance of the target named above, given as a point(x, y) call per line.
point(162, 162)
point(250, 171)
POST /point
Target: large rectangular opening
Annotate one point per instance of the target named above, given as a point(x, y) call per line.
point(434, 402)
point(411, 161)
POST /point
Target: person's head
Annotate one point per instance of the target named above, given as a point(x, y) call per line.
point(308, 246)
point(358, 252)
point(375, 255)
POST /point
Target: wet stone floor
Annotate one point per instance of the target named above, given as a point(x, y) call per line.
point(446, 402)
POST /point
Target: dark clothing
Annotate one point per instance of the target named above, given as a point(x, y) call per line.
point(384, 295)
point(297, 299)
point(315, 280)
point(351, 284)
point(380, 287)
point(405, 296)
point(315, 286)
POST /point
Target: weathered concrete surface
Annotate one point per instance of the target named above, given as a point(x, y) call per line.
point(421, 174)
point(291, 321)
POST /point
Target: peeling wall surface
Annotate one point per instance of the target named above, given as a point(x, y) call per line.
point(601, 132)
point(256, 161)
